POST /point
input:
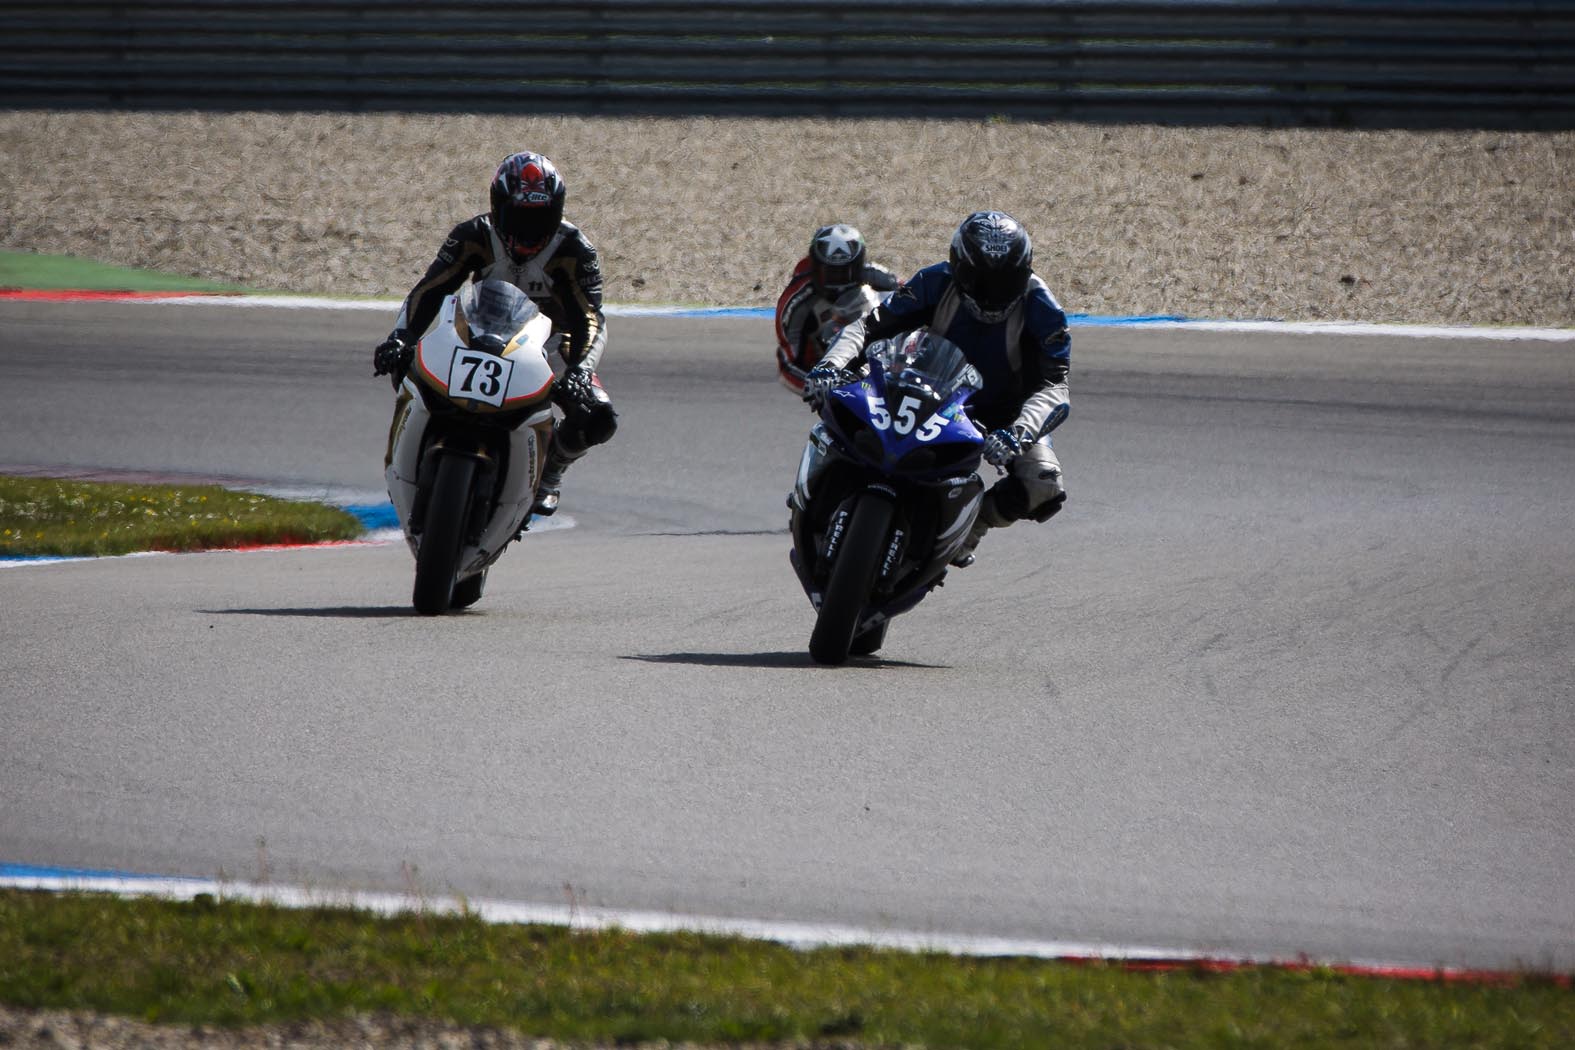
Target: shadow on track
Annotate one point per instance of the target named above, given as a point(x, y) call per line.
point(793, 659)
point(361, 612)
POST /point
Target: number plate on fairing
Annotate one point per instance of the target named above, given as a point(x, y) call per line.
point(479, 376)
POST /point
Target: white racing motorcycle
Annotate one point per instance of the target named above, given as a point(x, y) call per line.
point(852, 304)
point(470, 434)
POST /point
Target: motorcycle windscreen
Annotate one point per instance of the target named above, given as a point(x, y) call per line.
point(495, 309)
point(924, 360)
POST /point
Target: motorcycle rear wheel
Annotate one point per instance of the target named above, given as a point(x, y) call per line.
point(443, 532)
point(852, 576)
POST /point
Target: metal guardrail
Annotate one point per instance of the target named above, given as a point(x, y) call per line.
point(1364, 63)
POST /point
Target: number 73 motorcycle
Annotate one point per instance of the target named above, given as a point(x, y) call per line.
point(887, 490)
point(470, 433)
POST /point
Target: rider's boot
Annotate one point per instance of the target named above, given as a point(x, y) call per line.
point(996, 512)
point(551, 482)
point(965, 554)
point(1005, 503)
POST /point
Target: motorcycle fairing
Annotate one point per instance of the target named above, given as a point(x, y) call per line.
point(477, 377)
point(907, 416)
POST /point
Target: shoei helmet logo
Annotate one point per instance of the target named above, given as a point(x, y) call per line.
point(995, 236)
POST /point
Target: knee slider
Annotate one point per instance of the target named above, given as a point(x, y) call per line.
point(600, 423)
point(589, 422)
point(1006, 502)
point(1050, 508)
point(1008, 499)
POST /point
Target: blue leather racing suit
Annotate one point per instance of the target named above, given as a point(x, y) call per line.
point(1023, 359)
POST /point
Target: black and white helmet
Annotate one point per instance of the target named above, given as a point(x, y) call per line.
point(992, 260)
point(836, 258)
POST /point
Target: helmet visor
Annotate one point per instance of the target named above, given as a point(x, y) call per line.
point(992, 290)
point(834, 278)
point(1000, 289)
point(527, 228)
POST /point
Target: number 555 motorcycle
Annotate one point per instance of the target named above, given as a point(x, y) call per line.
point(887, 490)
point(468, 440)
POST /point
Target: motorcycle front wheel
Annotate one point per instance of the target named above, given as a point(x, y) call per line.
point(443, 532)
point(852, 576)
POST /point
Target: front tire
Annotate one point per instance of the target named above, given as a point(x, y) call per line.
point(852, 576)
point(443, 532)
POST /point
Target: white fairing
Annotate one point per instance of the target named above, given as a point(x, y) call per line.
point(485, 383)
point(483, 379)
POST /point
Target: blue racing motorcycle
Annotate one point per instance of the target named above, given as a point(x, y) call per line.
point(887, 490)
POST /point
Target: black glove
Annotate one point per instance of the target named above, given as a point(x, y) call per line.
point(393, 356)
point(573, 391)
point(820, 381)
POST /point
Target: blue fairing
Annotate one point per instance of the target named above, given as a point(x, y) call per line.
point(908, 417)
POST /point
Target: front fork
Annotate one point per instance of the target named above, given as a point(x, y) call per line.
point(837, 527)
point(477, 514)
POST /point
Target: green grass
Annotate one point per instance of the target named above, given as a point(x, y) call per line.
point(230, 963)
point(48, 516)
point(57, 272)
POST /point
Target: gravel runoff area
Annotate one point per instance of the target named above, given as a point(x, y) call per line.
point(1470, 228)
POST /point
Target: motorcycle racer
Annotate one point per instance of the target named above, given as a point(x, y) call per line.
point(986, 298)
point(831, 285)
point(524, 239)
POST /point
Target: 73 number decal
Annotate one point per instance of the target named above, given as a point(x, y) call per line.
point(479, 376)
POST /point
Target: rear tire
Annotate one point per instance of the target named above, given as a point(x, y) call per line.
point(852, 576)
point(443, 532)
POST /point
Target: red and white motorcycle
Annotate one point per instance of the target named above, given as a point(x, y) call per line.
point(470, 434)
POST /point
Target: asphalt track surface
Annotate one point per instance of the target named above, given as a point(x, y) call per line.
point(1293, 673)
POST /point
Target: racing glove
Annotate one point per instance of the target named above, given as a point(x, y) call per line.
point(1005, 445)
point(572, 391)
point(820, 381)
point(393, 356)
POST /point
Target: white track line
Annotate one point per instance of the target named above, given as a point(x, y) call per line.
point(803, 935)
point(1415, 331)
point(799, 935)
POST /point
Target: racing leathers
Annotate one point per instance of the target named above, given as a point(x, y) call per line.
point(808, 319)
point(1023, 360)
point(564, 280)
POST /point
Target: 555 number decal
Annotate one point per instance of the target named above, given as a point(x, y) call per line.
point(905, 419)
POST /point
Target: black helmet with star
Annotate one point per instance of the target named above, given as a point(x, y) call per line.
point(836, 258)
